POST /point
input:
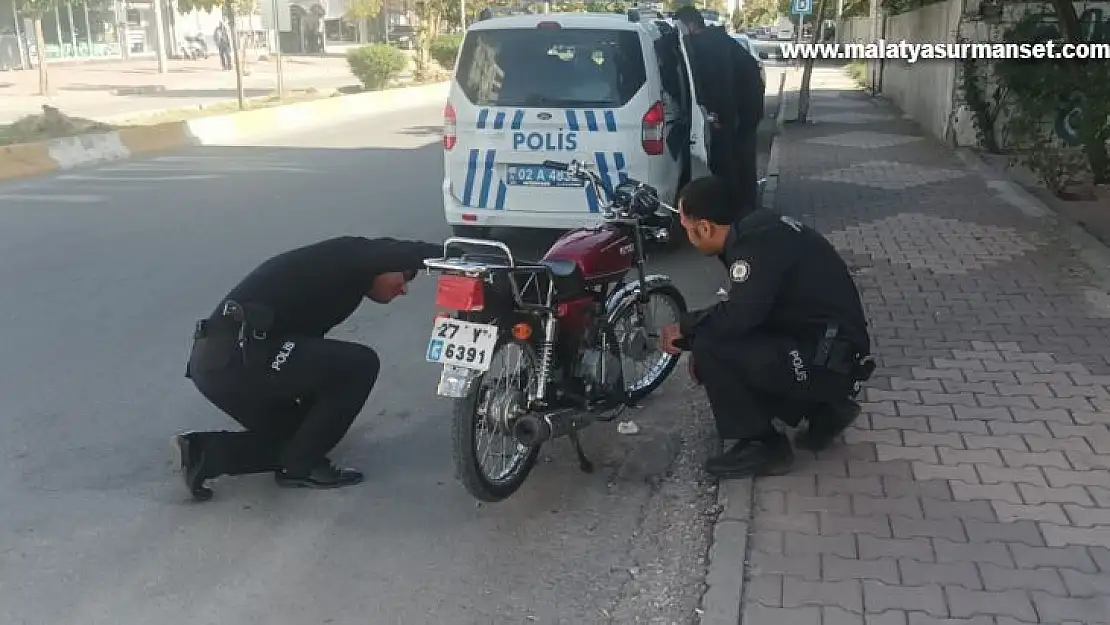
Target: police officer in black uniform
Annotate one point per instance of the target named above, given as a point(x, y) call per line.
point(261, 357)
point(729, 86)
point(791, 341)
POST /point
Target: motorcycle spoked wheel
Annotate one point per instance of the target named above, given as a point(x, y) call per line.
point(486, 410)
point(631, 316)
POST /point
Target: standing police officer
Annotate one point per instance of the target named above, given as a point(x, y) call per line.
point(729, 86)
point(791, 341)
point(261, 357)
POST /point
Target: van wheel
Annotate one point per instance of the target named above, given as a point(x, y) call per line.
point(473, 232)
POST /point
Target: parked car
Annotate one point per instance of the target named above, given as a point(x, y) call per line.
point(759, 56)
point(403, 36)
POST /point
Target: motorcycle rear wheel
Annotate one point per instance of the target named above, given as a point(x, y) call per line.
point(484, 409)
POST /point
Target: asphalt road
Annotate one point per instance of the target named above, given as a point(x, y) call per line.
point(105, 271)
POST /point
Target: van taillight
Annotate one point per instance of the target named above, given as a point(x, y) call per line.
point(652, 129)
point(450, 123)
point(460, 293)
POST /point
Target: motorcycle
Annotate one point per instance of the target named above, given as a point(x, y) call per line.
point(568, 326)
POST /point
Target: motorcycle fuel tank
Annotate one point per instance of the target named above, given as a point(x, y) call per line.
point(602, 254)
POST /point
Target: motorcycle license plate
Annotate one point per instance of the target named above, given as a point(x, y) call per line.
point(462, 344)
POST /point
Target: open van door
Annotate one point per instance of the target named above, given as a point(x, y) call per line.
point(699, 118)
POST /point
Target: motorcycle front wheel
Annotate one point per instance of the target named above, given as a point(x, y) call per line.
point(637, 328)
point(487, 413)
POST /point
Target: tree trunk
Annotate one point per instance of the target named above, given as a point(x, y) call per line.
point(807, 73)
point(229, 12)
point(1094, 146)
point(40, 44)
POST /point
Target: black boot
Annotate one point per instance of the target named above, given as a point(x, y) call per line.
point(191, 465)
point(826, 422)
point(323, 475)
point(753, 458)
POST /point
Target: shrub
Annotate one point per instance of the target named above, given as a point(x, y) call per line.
point(375, 65)
point(445, 49)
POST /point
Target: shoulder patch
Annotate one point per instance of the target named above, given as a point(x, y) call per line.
point(739, 271)
point(793, 223)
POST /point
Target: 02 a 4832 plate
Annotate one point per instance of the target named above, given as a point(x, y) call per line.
point(462, 344)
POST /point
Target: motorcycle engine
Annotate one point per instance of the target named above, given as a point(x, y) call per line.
point(599, 371)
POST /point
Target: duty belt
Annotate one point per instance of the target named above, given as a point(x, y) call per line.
point(841, 356)
point(244, 322)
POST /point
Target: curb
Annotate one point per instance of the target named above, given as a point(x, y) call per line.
point(28, 160)
point(1093, 252)
point(724, 579)
point(767, 198)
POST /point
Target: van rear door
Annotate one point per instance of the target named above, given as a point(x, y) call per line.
point(526, 95)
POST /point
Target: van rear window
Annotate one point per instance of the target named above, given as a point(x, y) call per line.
point(569, 67)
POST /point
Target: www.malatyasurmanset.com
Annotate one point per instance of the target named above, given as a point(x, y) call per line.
point(914, 52)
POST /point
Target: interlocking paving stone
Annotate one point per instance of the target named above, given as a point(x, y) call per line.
point(975, 487)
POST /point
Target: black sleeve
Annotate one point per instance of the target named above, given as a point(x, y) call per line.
point(753, 291)
point(385, 255)
point(749, 86)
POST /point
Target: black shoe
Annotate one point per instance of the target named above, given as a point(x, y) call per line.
point(753, 458)
point(325, 475)
point(191, 465)
point(826, 422)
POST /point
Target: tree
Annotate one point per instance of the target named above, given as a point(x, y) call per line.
point(362, 11)
point(35, 10)
point(807, 73)
point(230, 8)
point(430, 15)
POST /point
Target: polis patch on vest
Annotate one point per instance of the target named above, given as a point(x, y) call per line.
point(739, 271)
point(545, 141)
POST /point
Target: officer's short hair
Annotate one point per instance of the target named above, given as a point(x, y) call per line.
point(690, 16)
point(708, 198)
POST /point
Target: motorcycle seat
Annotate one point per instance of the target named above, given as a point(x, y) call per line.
point(561, 268)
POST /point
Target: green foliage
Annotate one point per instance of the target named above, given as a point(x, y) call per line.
point(975, 84)
point(375, 65)
point(364, 9)
point(36, 8)
point(1047, 95)
point(894, 7)
point(445, 50)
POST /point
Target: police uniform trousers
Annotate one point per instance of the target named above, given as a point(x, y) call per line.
point(733, 158)
point(760, 377)
point(296, 397)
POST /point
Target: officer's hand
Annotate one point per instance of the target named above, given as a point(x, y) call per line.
point(692, 369)
point(667, 339)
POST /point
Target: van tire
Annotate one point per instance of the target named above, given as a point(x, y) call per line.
point(473, 232)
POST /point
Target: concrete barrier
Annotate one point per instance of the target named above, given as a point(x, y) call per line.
point(36, 159)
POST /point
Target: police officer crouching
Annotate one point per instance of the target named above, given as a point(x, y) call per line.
point(261, 357)
point(790, 342)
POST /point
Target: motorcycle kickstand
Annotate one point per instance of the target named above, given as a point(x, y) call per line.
point(583, 462)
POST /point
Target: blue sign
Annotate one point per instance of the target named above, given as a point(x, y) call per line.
point(802, 7)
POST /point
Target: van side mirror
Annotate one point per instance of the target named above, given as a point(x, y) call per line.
point(763, 55)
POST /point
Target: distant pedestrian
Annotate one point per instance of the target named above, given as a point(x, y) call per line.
point(223, 44)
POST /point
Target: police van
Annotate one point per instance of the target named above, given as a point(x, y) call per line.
point(589, 87)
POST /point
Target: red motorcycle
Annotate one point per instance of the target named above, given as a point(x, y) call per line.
point(533, 351)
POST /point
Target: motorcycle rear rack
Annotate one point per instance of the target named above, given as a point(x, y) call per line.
point(512, 269)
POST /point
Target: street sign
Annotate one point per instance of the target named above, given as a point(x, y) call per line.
point(802, 7)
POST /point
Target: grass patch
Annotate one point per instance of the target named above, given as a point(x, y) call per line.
point(858, 70)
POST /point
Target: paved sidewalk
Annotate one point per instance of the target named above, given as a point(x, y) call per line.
point(975, 489)
point(103, 91)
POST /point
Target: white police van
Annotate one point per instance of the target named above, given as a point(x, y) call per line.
point(530, 88)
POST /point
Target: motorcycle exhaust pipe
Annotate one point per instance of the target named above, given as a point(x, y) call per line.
point(531, 430)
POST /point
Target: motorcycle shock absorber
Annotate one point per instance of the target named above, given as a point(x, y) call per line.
point(546, 356)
